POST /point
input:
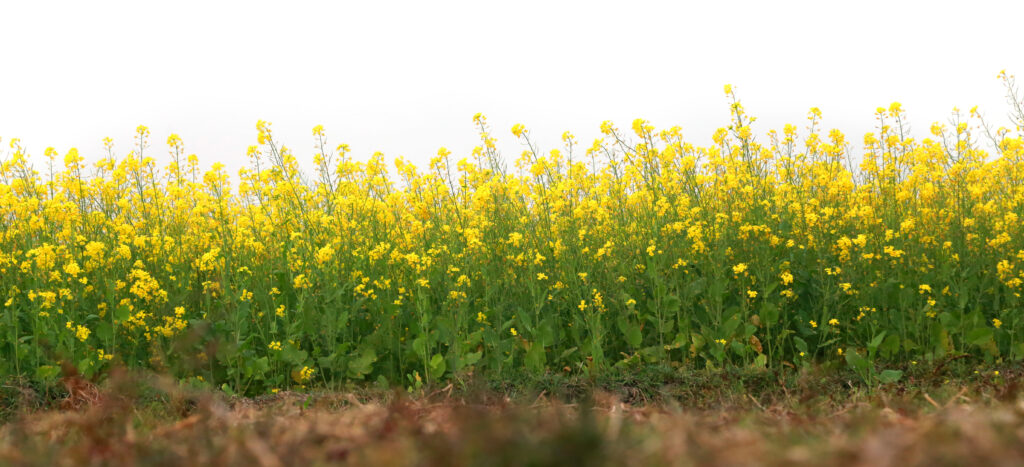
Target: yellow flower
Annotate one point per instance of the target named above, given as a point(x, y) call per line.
point(541, 276)
point(997, 323)
point(72, 269)
point(82, 332)
point(274, 345)
point(752, 293)
point(833, 322)
point(739, 268)
point(513, 332)
point(813, 323)
point(325, 254)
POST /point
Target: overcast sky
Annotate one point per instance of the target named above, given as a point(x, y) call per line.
point(405, 78)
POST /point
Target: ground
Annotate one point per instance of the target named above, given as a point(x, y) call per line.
point(719, 418)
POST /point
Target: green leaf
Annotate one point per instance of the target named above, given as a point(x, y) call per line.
point(104, 331)
point(890, 376)
point(769, 313)
point(630, 331)
point(858, 362)
point(293, 355)
point(695, 287)
point(877, 341)
point(342, 320)
point(980, 336)
point(87, 367)
point(437, 365)
point(260, 366)
point(671, 304)
point(729, 327)
point(226, 353)
point(890, 346)
point(419, 345)
point(47, 373)
point(256, 367)
point(567, 353)
point(122, 313)
point(718, 352)
point(536, 358)
point(470, 359)
point(698, 340)
point(362, 365)
point(828, 342)
point(801, 344)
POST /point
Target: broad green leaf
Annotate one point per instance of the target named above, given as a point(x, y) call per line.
point(857, 362)
point(980, 337)
point(801, 344)
point(47, 373)
point(890, 376)
point(890, 346)
point(536, 358)
point(437, 365)
point(470, 359)
point(362, 365)
point(122, 313)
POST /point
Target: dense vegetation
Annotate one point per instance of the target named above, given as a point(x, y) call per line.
point(785, 249)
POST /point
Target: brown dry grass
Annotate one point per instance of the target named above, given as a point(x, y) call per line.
point(946, 425)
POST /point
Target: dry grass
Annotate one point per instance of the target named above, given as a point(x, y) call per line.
point(947, 424)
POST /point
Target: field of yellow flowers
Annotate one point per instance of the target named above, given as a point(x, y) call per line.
point(778, 250)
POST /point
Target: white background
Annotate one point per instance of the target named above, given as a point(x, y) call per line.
point(406, 78)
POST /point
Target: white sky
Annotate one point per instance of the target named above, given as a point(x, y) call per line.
point(405, 78)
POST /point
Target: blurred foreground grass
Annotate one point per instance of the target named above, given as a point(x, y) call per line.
point(725, 418)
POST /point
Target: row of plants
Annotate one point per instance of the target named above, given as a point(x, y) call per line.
point(775, 250)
